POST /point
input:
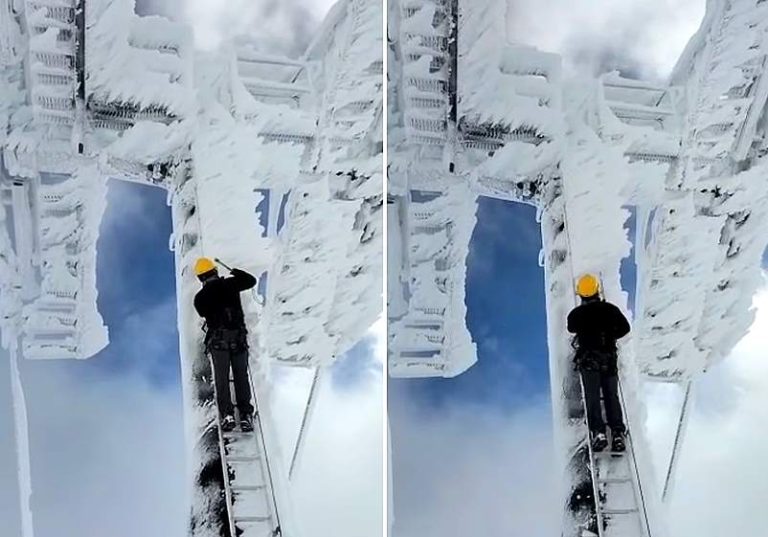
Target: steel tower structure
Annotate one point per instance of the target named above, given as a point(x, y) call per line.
point(472, 115)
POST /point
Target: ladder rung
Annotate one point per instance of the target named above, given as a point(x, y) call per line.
point(252, 518)
point(614, 480)
point(610, 454)
point(237, 434)
point(240, 458)
point(247, 488)
point(618, 511)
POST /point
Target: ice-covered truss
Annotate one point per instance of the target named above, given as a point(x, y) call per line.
point(471, 115)
point(270, 163)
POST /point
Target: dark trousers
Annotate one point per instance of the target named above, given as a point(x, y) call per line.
point(238, 360)
point(608, 383)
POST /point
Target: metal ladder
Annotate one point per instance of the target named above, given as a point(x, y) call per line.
point(620, 509)
point(248, 487)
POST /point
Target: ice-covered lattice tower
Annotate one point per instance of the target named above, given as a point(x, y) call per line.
point(271, 163)
point(473, 115)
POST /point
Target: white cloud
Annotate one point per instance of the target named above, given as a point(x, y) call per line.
point(471, 470)
point(602, 33)
point(277, 25)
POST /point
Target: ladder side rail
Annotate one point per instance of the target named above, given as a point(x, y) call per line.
point(681, 428)
point(637, 482)
point(263, 449)
point(225, 468)
point(308, 412)
point(592, 462)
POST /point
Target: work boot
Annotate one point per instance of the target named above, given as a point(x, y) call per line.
point(618, 444)
point(228, 423)
point(599, 442)
point(246, 423)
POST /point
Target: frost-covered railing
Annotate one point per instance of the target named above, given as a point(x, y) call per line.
point(506, 93)
point(138, 67)
point(431, 338)
point(425, 30)
point(321, 274)
point(697, 290)
point(58, 167)
point(449, 141)
point(63, 322)
point(431, 210)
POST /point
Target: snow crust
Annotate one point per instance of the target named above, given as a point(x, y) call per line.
point(431, 339)
point(63, 321)
point(129, 73)
point(431, 209)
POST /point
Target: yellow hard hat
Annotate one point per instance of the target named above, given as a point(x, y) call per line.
point(204, 265)
point(588, 286)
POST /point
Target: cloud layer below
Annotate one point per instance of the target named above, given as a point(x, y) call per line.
point(472, 471)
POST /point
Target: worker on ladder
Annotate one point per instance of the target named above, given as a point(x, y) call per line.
point(598, 325)
point(226, 338)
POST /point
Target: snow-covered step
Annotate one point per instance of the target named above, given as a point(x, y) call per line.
point(54, 60)
point(269, 87)
point(428, 103)
point(428, 44)
point(427, 84)
point(49, 352)
point(620, 506)
point(286, 137)
point(56, 117)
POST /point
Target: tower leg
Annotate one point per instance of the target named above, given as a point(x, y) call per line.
point(208, 514)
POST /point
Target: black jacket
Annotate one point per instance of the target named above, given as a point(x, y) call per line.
point(597, 325)
point(219, 300)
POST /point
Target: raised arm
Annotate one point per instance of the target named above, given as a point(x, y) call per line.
point(242, 280)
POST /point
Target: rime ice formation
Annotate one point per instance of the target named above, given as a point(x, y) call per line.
point(471, 115)
point(271, 163)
